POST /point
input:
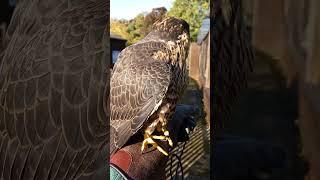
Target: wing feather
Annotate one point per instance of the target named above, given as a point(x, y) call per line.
point(137, 88)
point(53, 80)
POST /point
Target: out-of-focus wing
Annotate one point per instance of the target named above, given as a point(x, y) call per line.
point(232, 56)
point(53, 91)
point(296, 21)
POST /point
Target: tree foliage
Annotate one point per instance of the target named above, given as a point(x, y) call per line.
point(134, 29)
point(192, 11)
point(119, 27)
point(137, 28)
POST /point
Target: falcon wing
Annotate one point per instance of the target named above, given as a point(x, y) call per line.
point(137, 90)
point(232, 56)
point(53, 77)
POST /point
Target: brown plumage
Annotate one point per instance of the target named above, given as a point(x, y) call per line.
point(232, 56)
point(148, 77)
point(53, 81)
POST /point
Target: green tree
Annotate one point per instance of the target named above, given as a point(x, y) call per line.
point(119, 27)
point(141, 25)
point(134, 27)
point(192, 11)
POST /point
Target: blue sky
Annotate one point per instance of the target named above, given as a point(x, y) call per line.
point(128, 9)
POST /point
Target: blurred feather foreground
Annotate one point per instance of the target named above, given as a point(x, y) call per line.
point(232, 56)
point(237, 157)
point(53, 79)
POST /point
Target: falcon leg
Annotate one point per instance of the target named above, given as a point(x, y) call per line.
point(149, 139)
point(162, 118)
point(166, 133)
point(161, 125)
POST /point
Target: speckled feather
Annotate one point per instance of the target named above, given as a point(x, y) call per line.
point(53, 81)
point(147, 75)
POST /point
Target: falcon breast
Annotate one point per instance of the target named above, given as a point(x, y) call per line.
point(147, 81)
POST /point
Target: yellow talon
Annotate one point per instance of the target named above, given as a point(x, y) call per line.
point(170, 142)
point(149, 140)
point(160, 137)
point(162, 151)
point(166, 133)
point(164, 138)
point(146, 142)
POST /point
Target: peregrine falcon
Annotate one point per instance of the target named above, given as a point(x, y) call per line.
point(146, 83)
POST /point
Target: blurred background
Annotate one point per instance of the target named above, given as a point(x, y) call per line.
point(276, 123)
point(130, 22)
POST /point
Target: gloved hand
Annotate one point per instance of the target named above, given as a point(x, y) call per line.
point(151, 165)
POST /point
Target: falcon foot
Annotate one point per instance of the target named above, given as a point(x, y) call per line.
point(160, 124)
point(150, 140)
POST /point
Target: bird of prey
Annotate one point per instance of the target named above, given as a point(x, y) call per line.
point(54, 90)
point(146, 83)
point(232, 57)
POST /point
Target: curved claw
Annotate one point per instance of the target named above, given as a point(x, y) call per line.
point(165, 138)
point(149, 140)
point(162, 150)
point(170, 142)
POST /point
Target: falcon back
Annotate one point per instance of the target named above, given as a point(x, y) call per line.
point(146, 83)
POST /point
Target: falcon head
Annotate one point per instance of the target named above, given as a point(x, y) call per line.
point(175, 33)
point(171, 29)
